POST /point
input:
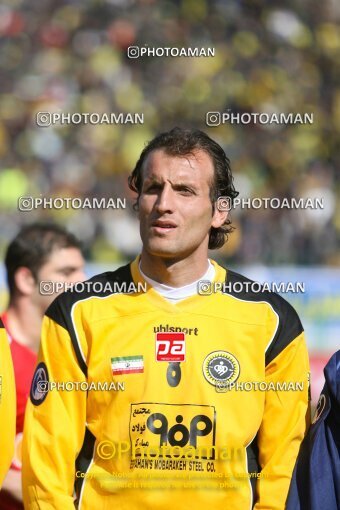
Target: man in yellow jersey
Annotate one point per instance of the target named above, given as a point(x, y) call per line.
point(7, 405)
point(161, 384)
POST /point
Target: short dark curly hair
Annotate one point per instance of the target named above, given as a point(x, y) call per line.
point(181, 142)
point(32, 247)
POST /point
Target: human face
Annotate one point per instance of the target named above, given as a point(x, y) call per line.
point(175, 209)
point(64, 265)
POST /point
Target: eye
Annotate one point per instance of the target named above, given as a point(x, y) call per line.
point(66, 271)
point(184, 190)
point(152, 188)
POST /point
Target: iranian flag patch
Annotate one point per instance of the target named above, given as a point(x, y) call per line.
point(127, 365)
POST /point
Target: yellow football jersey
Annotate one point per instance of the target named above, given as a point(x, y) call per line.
point(7, 405)
point(137, 403)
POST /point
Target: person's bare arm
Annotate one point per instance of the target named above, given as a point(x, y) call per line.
point(12, 484)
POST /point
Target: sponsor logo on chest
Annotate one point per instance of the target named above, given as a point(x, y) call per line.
point(170, 347)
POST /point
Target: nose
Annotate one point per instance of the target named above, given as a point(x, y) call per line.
point(165, 200)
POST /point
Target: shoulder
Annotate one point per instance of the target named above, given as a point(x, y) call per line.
point(101, 285)
point(289, 326)
point(246, 289)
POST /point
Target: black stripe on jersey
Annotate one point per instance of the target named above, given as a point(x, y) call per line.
point(289, 323)
point(1, 324)
point(252, 451)
point(60, 310)
point(84, 460)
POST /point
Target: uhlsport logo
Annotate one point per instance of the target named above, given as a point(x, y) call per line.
point(221, 368)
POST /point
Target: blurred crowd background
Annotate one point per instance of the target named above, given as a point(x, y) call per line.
point(270, 56)
point(71, 56)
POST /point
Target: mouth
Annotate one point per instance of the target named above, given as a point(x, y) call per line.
point(163, 226)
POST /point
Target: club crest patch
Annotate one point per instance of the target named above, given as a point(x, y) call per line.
point(221, 367)
point(39, 387)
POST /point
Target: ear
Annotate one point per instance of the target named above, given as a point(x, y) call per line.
point(221, 211)
point(24, 281)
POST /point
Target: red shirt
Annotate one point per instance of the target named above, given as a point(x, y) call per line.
point(24, 361)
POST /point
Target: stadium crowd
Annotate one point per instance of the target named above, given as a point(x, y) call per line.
point(71, 56)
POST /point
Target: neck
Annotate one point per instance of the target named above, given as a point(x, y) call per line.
point(24, 323)
point(173, 272)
